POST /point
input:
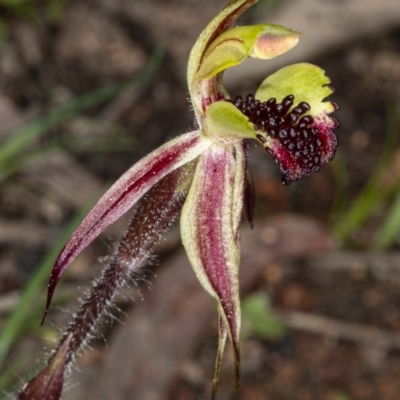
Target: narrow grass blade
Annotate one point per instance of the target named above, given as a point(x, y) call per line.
point(38, 282)
point(372, 196)
point(391, 227)
point(20, 139)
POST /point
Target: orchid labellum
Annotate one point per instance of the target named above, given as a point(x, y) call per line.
point(204, 173)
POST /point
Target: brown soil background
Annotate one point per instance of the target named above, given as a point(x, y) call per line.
point(339, 300)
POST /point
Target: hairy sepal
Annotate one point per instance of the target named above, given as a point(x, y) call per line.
point(48, 383)
point(154, 214)
point(209, 227)
point(124, 194)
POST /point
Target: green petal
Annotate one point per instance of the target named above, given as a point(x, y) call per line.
point(225, 123)
point(274, 41)
point(217, 26)
point(235, 45)
point(199, 94)
point(306, 82)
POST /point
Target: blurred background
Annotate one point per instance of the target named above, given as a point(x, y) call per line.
point(89, 87)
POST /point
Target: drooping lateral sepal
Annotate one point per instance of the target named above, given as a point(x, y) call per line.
point(209, 227)
point(153, 216)
point(48, 383)
point(124, 194)
point(297, 128)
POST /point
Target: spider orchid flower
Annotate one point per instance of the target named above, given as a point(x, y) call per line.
point(204, 173)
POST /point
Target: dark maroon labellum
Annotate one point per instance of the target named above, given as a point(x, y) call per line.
point(303, 149)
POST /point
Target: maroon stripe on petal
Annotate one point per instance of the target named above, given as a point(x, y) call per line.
point(215, 234)
point(123, 195)
point(155, 213)
point(209, 227)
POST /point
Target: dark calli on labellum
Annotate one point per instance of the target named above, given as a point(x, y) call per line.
point(203, 178)
point(303, 147)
